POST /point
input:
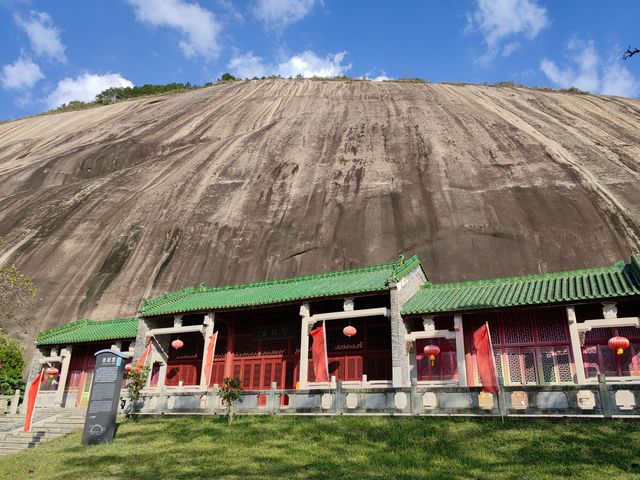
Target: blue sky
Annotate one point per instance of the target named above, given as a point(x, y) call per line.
point(54, 52)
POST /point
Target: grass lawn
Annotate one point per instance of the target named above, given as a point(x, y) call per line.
point(342, 447)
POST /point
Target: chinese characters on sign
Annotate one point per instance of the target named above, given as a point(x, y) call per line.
point(100, 421)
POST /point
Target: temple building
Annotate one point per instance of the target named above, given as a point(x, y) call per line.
point(547, 330)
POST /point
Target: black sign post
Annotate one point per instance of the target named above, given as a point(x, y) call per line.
point(100, 421)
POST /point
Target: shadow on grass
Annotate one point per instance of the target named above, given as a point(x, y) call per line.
point(346, 447)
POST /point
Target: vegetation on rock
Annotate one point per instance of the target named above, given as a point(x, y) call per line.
point(18, 292)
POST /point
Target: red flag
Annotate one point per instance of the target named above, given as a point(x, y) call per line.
point(143, 358)
point(211, 349)
point(319, 355)
point(31, 399)
point(484, 357)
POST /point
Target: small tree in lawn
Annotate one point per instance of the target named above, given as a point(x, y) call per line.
point(137, 381)
point(230, 394)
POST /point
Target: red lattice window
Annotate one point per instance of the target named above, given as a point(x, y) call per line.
point(530, 346)
point(257, 374)
point(599, 358)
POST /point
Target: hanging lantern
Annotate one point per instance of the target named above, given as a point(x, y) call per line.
point(431, 351)
point(177, 344)
point(127, 367)
point(52, 371)
point(618, 344)
point(349, 331)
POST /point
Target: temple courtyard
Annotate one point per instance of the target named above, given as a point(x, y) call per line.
point(342, 447)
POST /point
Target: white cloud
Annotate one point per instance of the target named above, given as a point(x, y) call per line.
point(501, 20)
point(43, 35)
point(307, 64)
point(21, 74)
point(197, 25)
point(378, 78)
point(279, 14)
point(247, 66)
point(84, 88)
point(586, 71)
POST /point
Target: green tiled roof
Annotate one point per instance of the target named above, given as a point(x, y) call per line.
point(82, 331)
point(361, 280)
point(618, 280)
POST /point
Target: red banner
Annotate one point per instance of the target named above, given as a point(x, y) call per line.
point(485, 360)
point(143, 358)
point(211, 350)
point(31, 399)
point(319, 355)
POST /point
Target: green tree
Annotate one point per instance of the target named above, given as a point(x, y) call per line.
point(137, 381)
point(18, 293)
point(11, 365)
point(227, 77)
point(230, 394)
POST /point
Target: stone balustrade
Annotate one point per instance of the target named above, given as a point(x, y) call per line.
point(599, 400)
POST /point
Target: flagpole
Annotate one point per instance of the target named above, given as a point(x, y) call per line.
point(495, 372)
point(213, 354)
point(326, 350)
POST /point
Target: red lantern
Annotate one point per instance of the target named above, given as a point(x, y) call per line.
point(618, 344)
point(349, 331)
point(127, 367)
point(177, 344)
point(52, 371)
point(431, 351)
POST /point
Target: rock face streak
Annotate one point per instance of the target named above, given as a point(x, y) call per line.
point(265, 179)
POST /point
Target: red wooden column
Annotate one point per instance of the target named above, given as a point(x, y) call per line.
point(468, 356)
point(231, 345)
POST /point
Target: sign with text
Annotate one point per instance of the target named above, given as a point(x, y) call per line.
point(274, 333)
point(100, 421)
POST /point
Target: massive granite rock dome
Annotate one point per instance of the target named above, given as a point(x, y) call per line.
point(264, 179)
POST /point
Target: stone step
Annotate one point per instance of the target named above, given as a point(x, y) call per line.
point(19, 442)
point(61, 430)
point(11, 450)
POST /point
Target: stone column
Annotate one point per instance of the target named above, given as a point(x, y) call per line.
point(34, 370)
point(399, 363)
point(460, 354)
point(64, 372)
point(304, 345)
point(208, 332)
point(159, 354)
point(141, 340)
point(576, 350)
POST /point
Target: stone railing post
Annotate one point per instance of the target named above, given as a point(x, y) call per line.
point(605, 398)
point(271, 401)
point(413, 396)
point(13, 409)
point(214, 397)
point(337, 401)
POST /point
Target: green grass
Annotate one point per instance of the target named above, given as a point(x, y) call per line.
point(342, 447)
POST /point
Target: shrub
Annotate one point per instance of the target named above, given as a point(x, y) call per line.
point(230, 394)
point(137, 381)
